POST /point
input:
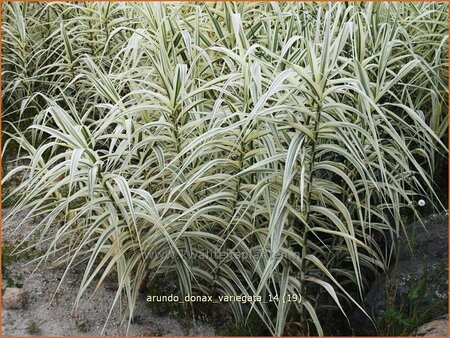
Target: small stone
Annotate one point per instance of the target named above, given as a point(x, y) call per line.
point(14, 298)
point(438, 327)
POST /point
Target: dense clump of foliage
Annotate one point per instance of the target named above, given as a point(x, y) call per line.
point(155, 137)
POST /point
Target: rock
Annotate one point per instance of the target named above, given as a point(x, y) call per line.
point(14, 298)
point(420, 274)
point(437, 327)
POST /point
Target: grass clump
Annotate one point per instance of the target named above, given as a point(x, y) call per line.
point(255, 149)
point(34, 329)
point(83, 326)
point(419, 307)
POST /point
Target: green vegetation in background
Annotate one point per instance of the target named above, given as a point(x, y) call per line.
point(417, 308)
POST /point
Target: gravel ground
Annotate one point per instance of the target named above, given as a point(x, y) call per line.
point(58, 317)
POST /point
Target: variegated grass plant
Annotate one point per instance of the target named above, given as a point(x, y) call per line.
point(151, 130)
